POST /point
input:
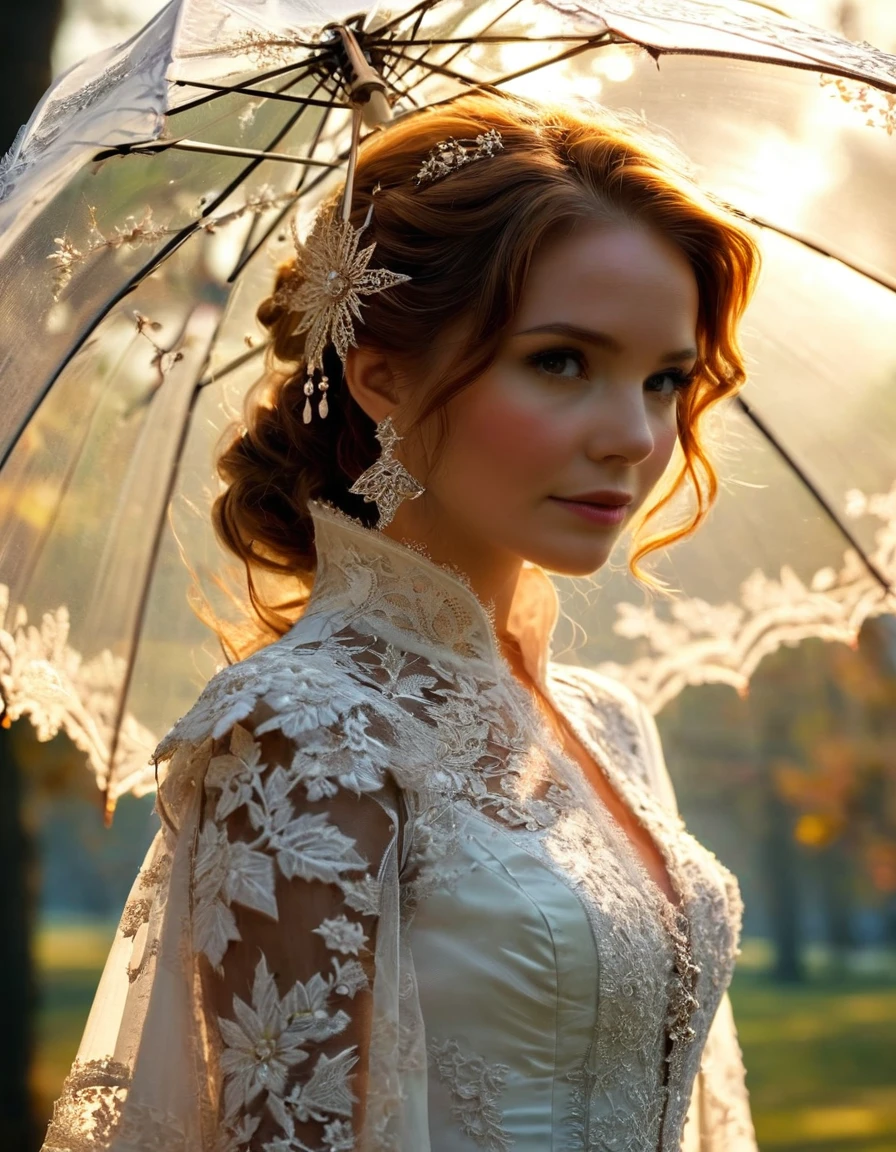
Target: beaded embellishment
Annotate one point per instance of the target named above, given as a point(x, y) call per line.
point(449, 155)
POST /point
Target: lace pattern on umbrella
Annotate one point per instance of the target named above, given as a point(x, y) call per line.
point(702, 643)
point(44, 678)
point(792, 36)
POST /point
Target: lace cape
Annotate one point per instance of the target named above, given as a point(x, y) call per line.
point(262, 992)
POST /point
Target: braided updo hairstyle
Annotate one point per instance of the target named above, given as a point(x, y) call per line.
point(466, 242)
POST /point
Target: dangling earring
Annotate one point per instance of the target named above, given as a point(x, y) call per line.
point(387, 483)
point(323, 407)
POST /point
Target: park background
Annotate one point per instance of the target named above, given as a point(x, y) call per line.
point(793, 787)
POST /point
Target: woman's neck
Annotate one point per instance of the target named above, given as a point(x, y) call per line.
point(492, 575)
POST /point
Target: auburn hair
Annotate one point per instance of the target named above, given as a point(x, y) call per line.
point(466, 241)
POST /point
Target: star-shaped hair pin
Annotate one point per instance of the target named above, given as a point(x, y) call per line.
point(334, 276)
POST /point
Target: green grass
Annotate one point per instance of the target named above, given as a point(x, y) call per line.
point(69, 959)
point(821, 1058)
point(821, 1062)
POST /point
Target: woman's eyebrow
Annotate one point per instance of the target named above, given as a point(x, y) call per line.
point(600, 340)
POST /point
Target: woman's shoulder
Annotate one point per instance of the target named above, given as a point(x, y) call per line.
point(619, 722)
point(599, 689)
point(306, 681)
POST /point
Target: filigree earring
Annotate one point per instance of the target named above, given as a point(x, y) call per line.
point(387, 483)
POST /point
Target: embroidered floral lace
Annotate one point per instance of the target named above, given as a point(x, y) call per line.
point(386, 911)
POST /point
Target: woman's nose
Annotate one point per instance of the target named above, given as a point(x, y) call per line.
point(621, 427)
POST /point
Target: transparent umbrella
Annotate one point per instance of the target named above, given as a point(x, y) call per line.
point(145, 206)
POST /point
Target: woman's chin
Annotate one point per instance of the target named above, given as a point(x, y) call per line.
point(571, 561)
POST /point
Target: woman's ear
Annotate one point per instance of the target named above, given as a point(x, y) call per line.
point(371, 381)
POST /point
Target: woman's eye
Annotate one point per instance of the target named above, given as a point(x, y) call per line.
point(669, 384)
point(560, 362)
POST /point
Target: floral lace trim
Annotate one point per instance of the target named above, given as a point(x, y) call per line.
point(268, 1045)
point(701, 643)
point(44, 678)
point(438, 604)
point(476, 1087)
point(706, 923)
point(93, 1111)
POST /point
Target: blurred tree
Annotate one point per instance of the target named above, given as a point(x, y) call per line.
point(26, 34)
point(770, 707)
point(17, 1122)
point(795, 786)
point(840, 779)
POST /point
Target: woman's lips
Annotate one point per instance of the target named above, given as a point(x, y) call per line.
point(608, 515)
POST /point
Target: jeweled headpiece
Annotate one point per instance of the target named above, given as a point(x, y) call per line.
point(334, 275)
point(449, 155)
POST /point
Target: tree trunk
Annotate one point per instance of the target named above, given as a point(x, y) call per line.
point(27, 31)
point(782, 886)
point(18, 1128)
point(836, 870)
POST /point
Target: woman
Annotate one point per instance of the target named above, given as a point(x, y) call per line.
point(418, 888)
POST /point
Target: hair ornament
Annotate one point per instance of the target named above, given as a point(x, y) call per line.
point(449, 155)
point(334, 276)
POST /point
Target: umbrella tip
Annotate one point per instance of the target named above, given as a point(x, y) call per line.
point(108, 807)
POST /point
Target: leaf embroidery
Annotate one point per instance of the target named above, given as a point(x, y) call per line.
point(476, 1088)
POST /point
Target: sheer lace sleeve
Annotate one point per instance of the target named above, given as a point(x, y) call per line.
point(291, 853)
point(261, 994)
point(719, 1117)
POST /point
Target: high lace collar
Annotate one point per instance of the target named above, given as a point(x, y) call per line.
point(394, 590)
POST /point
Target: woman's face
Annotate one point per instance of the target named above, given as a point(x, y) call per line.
point(555, 446)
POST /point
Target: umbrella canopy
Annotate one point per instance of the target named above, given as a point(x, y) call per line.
point(146, 204)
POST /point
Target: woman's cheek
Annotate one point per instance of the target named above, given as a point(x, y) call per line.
point(506, 426)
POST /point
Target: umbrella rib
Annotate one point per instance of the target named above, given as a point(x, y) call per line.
point(469, 41)
point(881, 278)
point(396, 83)
point(439, 69)
point(395, 79)
point(143, 601)
point(222, 89)
point(389, 70)
point(418, 10)
point(249, 250)
point(757, 421)
point(244, 260)
point(236, 89)
point(420, 16)
point(602, 38)
point(138, 277)
point(232, 366)
point(482, 31)
point(418, 61)
point(803, 65)
point(154, 147)
point(249, 242)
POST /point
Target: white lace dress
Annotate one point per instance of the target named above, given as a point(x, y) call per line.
point(386, 912)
